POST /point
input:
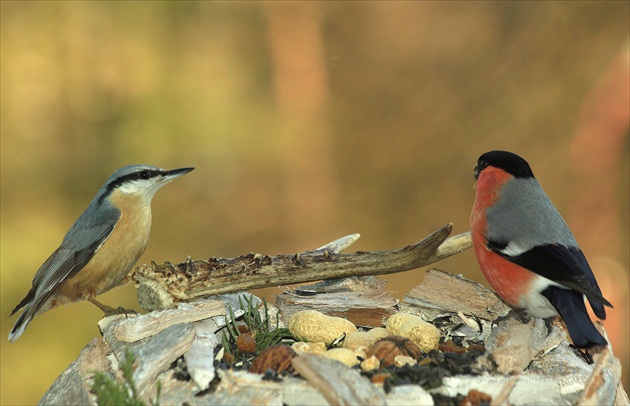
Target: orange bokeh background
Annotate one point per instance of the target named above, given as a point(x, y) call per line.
point(306, 121)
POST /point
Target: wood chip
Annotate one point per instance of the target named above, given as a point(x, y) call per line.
point(601, 386)
point(443, 292)
point(137, 327)
point(513, 345)
point(339, 384)
point(200, 357)
point(359, 300)
point(74, 385)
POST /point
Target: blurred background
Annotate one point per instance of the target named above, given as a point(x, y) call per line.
point(306, 122)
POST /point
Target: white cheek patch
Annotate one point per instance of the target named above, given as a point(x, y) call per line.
point(141, 187)
point(132, 187)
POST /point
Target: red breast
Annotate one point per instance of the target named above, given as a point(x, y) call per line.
point(509, 280)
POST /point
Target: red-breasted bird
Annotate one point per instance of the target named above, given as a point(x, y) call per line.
point(101, 247)
point(526, 250)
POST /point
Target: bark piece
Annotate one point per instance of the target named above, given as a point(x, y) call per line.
point(153, 354)
point(443, 292)
point(242, 388)
point(359, 300)
point(527, 390)
point(502, 397)
point(513, 345)
point(137, 327)
point(73, 386)
point(409, 395)
point(200, 357)
point(551, 373)
point(601, 386)
point(339, 384)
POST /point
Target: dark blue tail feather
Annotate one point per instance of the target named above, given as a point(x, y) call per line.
point(570, 305)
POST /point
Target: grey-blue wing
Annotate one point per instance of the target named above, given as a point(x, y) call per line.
point(78, 247)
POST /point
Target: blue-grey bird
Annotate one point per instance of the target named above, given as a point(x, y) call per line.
point(526, 250)
point(101, 247)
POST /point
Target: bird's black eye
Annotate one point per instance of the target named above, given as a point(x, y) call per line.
point(145, 175)
point(481, 165)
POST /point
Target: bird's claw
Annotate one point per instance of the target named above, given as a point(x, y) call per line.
point(111, 311)
point(120, 310)
point(523, 316)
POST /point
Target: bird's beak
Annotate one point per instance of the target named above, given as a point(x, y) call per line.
point(176, 173)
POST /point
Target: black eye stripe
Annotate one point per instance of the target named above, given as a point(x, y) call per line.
point(139, 175)
point(143, 174)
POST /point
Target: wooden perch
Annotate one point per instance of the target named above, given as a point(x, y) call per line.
point(161, 286)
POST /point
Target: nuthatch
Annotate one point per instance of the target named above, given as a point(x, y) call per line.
point(101, 247)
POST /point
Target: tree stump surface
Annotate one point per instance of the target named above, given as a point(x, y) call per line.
point(523, 363)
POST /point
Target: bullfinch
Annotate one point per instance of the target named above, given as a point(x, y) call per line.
point(526, 250)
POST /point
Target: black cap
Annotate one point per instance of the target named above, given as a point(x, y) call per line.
point(509, 162)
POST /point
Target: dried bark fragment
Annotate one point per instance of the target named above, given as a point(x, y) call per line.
point(339, 384)
point(363, 301)
point(74, 385)
point(443, 292)
point(513, 345)
point(200, 357)
point(137, 327)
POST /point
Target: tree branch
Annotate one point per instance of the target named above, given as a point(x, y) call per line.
point(161, 286)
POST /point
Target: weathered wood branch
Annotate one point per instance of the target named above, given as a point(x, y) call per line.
point(161, 286)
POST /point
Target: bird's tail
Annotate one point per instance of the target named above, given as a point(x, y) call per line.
point(20, 324)
point(570, 305)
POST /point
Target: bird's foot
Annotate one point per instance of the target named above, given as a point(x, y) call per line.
point(111, 311)
point(518, 314)
point(521, 315)
point(584, 354)
point(549, 323)
point(120, 310)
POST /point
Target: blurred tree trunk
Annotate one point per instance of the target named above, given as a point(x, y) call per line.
point(597, 153)
point(302, 93)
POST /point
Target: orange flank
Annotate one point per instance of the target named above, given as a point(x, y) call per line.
point(105, 271)
point(509, 280)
